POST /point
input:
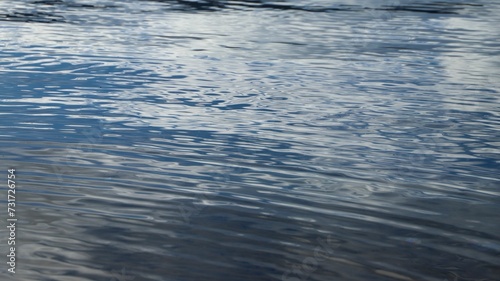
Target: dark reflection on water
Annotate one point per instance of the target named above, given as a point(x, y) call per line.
point(252, 140)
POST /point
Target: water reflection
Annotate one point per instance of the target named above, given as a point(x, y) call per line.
point(243, 140)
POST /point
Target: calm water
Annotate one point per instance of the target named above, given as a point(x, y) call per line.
point(246, 140)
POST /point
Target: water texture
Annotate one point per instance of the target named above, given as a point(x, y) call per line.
point(252, 140)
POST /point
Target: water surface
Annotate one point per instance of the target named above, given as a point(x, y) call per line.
point(252, 140)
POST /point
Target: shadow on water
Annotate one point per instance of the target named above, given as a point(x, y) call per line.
point(52, 11)
point(438, 7)
point(39, 17)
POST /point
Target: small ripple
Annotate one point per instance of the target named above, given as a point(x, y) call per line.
point(39, 17)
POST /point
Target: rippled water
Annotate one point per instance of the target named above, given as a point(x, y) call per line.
point(247, 140)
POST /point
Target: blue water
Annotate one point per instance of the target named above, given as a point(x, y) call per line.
point(252, 140)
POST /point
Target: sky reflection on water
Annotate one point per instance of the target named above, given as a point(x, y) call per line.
point(176, 140)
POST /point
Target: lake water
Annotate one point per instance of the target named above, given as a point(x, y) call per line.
point(251, 140)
